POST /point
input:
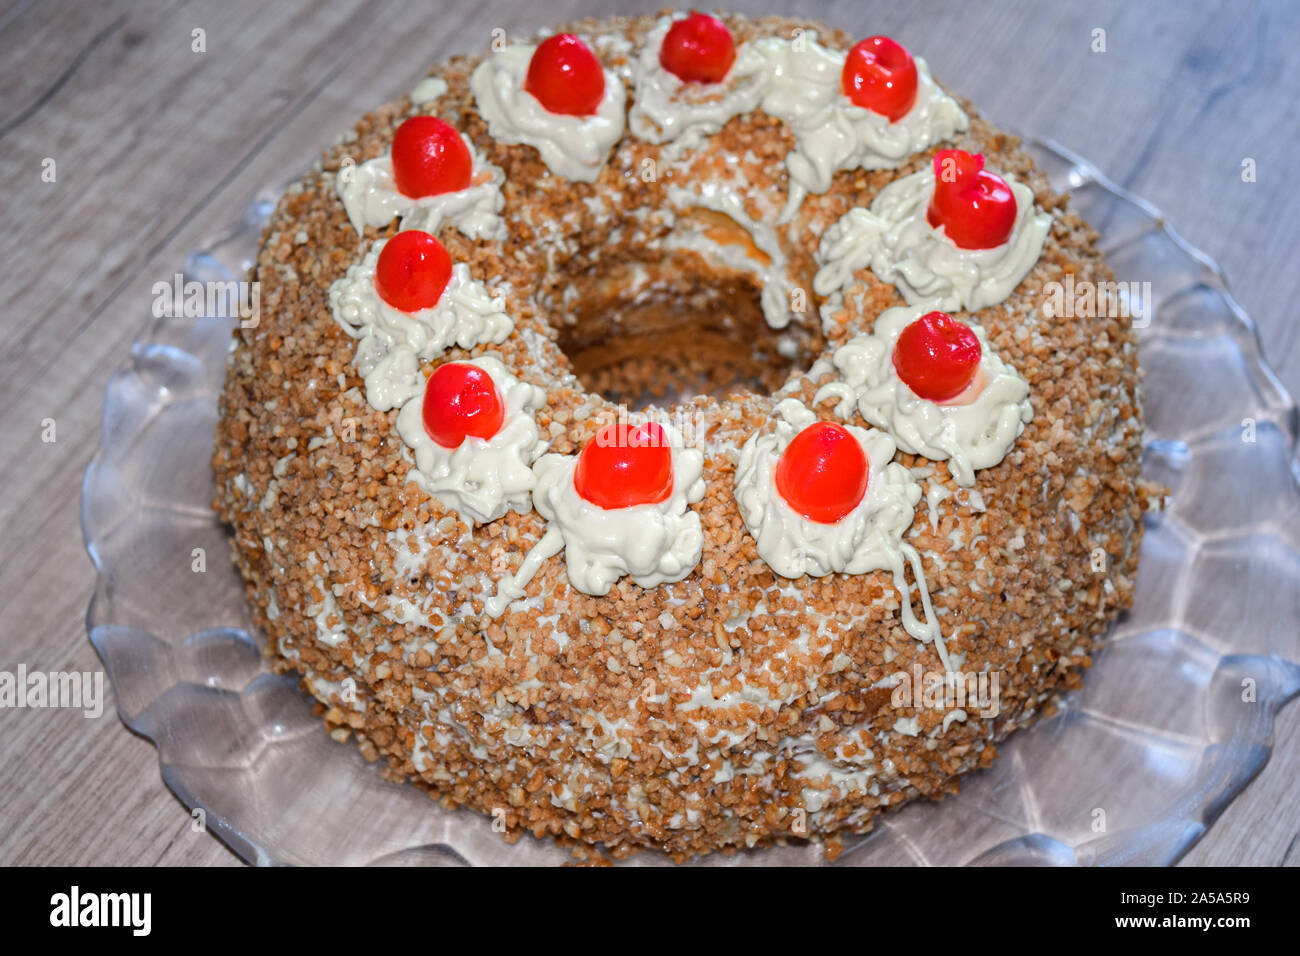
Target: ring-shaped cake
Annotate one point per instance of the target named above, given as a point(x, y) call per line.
point(652, 436)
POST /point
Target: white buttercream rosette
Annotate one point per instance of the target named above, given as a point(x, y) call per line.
point(896, 241)
point(668, 108)
point(866, 539)
point(803, 86)
point(970, 436)
point(391, 343)
point(482, 478)
point(653, 543)
point(371, 198)
point(575, 147)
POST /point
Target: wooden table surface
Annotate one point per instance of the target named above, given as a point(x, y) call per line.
point(156, 147)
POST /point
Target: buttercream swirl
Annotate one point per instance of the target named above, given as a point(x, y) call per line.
point(897, 242)
point(481, 478)
point(668, 108)
point(653, 543)
point(803, 86)
point(371, 198)
point(972, 433)
point(575, 147)
point(792, 544)
point(392, 343)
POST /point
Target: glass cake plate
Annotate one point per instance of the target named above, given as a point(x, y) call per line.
point(1174, 718)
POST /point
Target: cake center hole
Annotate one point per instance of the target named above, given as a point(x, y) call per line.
point(651, 334)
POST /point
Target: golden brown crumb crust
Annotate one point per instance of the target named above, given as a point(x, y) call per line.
point(572, 714)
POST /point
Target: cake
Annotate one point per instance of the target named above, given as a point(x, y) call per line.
point(653, 436)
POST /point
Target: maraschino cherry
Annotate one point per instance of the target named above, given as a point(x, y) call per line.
point(698, 49)
point(823, 473)
point(461, 400)
point(975, 207)
point(430, 158)
point(880, 75)
point(412, 272)
point(565, 76)
point(625, 466)
point(937, 357)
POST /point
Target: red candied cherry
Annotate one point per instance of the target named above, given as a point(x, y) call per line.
point(880, 75)
point(698, 49)
point(625, 466)
point(430, 158)
point(975, 207)
point(565, 76)
point(823, 473)
point(461, 400)
point(412, 271)
point(937, 357)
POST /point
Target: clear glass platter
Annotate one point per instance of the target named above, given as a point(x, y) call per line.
point(1174, 718)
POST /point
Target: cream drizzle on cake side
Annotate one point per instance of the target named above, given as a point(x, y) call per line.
point(868, 538)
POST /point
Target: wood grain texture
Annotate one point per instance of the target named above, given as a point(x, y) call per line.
point(158, 147)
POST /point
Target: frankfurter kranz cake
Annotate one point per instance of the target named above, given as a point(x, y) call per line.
point(638, 411)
